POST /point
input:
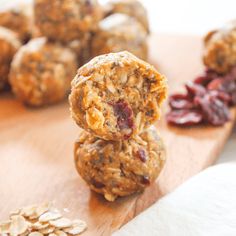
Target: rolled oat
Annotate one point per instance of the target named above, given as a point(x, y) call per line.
point(46, 221)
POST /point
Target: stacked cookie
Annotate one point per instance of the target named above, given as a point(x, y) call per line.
point(115, 98)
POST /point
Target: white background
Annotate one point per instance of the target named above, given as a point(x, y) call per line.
point(179, 16)
point(194, 17)
point(188, 16)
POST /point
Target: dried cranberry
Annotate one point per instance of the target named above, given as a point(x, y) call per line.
point(231, 75)
point(124, 114)
point(145, 180)
point(215, 84)
point(233, 98)
point(97, 184)
point(223, 96)
point(195, 89)
point(184, 117)
point(180, 101)
point(207, 99)
point(230, 88)
point(233, 72)
point(141, 155)
point(226, 85)
point(211, 74)
point(214, 110)
point(206, 78)
point(202, 80)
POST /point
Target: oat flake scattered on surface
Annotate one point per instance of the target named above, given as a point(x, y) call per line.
point(40, 220)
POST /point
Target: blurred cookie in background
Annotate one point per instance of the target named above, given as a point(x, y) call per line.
point(19, 19)
point(132, 8)
point(66, 21)
point(82, 48)
point(41, 72)
point(9, 44)
point(119, 32)
point(220, 48)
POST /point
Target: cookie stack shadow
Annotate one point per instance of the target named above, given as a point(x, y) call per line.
point(116, 98)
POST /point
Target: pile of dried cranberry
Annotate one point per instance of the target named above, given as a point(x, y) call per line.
point(207, 100)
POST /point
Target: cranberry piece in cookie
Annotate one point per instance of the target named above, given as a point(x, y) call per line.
point(124, 113)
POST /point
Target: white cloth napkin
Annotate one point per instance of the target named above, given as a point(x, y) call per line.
point(205, 205)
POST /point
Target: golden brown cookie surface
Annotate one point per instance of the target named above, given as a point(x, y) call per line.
point(220, 48)
point(132, 8)
point(41, 72)
point(63, 20)
point(81, 47)
point(9, 44)
point(119, 168)
point(117, 95)
point(19, 20)
point(119, 32)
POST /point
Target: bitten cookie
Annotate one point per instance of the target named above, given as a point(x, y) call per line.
point(9, 44)
point(119, 168)
point(117, 95)
point(220, 48)
point(63, 20)
point(120, 32)
point(41, 72)
point(19, 20)
point(132, 8)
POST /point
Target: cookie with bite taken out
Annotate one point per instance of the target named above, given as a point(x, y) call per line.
point(116, 96)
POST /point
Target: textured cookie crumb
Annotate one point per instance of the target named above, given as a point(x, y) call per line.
point(18, 19)
point(119, 168)
point(117, 95)
point(41, 72)
point(220, 48)
point(119, 32)
point(66, 21)
point(9, 44)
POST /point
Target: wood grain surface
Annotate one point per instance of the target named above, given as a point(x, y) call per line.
point(36, 150)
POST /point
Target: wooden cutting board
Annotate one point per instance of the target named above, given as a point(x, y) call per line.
point(36, 150)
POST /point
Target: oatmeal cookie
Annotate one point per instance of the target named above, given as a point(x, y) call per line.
point(117, 95)
point(120, 32)
point(220, 48)
point(119, 168)
point(9, 44)
point(132, 8)
point(19, 20)
point(81, 47)
point(41, 72)
point(63, 20)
